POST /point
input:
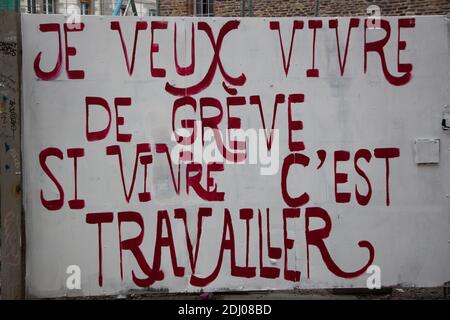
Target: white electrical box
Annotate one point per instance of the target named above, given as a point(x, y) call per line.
point(426, 151)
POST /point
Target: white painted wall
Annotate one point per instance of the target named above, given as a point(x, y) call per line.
point(350, 112)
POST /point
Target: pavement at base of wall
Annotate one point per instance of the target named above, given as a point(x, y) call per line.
point(435, 293)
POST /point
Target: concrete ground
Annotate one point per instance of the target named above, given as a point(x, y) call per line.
point(436, 293)
point(337, 294)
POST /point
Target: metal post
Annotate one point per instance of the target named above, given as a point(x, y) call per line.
point(12, 232)
point(133, 7)
point(246, 8)
point(117, 8)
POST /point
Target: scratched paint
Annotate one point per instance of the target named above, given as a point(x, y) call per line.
point(10, 159)
point(102, 191)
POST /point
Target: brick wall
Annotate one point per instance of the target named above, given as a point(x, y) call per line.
point(227, 8)
point(288, 8)
point(388, 7)
point(285, 8)
point(176, 7)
